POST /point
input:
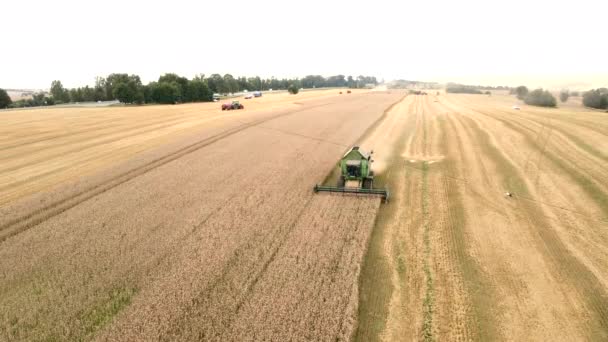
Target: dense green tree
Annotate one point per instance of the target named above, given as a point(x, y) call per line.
point(60, 94)
point(180, 82)
point(165, 92)
point(100, 89)
point(596, 98)
point(38, 99)
point(126, 88)
point(521, 92)
point(76, 95)
point(255, 83)
point(112, 82)
point(5, 100)
point(314, 81)
point(540, 97)
point(336, 81)
point(293, 89)
point(274, 83)
point(232, 85)
point(147, 90)
point(88, 94)
point(199, 91)
point(462, 89)
point(216, 84)
point(350, 82)
point(564, 95)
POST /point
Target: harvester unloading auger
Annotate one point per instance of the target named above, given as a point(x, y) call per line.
point(356, 176)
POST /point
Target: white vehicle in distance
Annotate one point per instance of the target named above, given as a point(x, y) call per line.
point(516, 107)
point(249, 96)
point(216, 97)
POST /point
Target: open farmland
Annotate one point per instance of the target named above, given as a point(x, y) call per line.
point(197, 238)
point(452, 258)
point(188, 223)
point(44, 147)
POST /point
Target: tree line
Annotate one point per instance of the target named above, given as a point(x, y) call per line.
point(462, 89)
point(172, 88)
point(596, 98)
point(537, 97)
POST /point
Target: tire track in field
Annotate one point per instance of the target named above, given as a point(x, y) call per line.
point(32, 219)
point(586, 180)
point(418, 289)
point(461, 290)
point(572, 270)
point(585, 176)
point(555, 122)
point(546, 121)
point(230, 270)
point(104, 130)
point(204, 310)
point(481, 321)
point(376, 283)
point(429, 297)
point(97, 125)
point(578, 142)
point(115, 136)
point(579, 122)
point(83, 129)
point(101, 123)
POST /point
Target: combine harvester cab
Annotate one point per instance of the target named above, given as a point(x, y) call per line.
point(356, 176)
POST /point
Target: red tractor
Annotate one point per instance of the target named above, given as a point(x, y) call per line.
point(233, 105)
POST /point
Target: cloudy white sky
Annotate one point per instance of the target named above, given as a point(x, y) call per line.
point(538, 43)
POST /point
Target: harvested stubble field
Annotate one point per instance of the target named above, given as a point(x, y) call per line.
point(452, 258)
point(211, 233)
point(186, 223)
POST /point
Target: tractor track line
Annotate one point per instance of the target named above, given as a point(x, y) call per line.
point(578, 122)
point(480, 292)
point(118, 123)
point(586, 284)
point(116, 136)
point(537, 119)
point(32, 219)
point(429, 299)
point(24, 142)
point(279, 239)
point(374, 297)
point(120, 126)
point(309, 137)
point(587, 181)
point(469, 186)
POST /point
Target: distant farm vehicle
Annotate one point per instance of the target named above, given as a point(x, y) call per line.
point(248, 96)
point(232, 105)
point(257, 94)
point(216, 97)
point(356, 176)
point(348, 91)
point(516, 107)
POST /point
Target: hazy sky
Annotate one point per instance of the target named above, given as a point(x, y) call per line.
point(538, 43)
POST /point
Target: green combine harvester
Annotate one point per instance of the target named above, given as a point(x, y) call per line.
point(356, 176)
